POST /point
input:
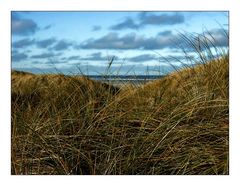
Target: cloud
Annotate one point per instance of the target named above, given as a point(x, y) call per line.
point(111, 41)
point(128, 41)
point(96, 28)
point(62, 45)
point(142, 58)
point(72, 58)
point(163, 40)
point(23, 27)
point(95, 57)
point(17, 57)
point(215, 38)
point(139, 58)
point(45, 43)
point(45, 55)
point(47, 27)
point(128, 23)
point(92, 57)
point(53, 61)
point(23, 43)
point(176, 58)
point(158, 58)
point(147, 18)
point(218, 37)
point(165, 33)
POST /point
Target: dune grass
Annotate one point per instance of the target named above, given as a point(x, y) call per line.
point(73, 125)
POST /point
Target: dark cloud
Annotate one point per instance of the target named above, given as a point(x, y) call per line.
point(207, 40)
point(111, 41)
point(147, 18)
point(128, 41)
point(176, 58)
point(142, 58)
point(158, 58)
point(17, 57)
point(71, 58)
point(45, 55)
point(165, 33)
point(165, 39)
point(96, 28)
point(128, 23)
point(45, 43)
point(95, 57)
point(92, 57)
point(99, 57)
point(218, 37)
point(47, 27)
point(62, 45)
point(53, 61)
point(23, 43)
point(23, 27)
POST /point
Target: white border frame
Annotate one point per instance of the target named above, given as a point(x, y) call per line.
point(6, 6)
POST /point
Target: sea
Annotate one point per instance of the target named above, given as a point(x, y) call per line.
point(120, 80)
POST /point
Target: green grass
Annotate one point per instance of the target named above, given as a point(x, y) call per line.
point(74, 125)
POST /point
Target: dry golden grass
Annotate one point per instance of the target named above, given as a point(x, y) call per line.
point(73, 125)
point(183, 121)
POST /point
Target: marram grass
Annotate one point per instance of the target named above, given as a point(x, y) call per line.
point(73, 125)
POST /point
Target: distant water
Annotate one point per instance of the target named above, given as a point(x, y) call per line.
point(125, 79)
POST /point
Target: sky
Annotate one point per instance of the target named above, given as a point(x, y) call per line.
point(85, 42)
